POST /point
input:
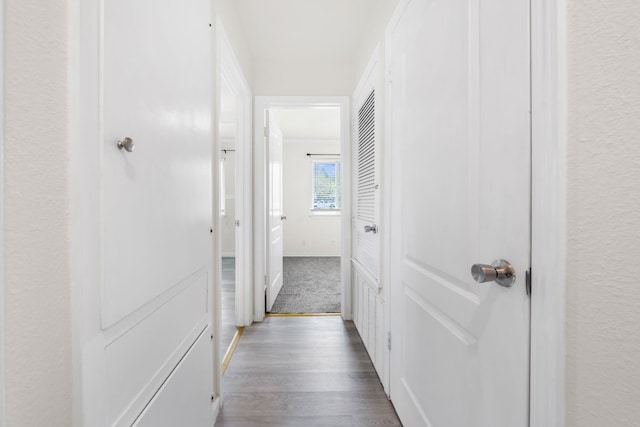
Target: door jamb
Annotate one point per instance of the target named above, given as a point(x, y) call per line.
point(2, 322)
point(548, 215)
point(265, 102)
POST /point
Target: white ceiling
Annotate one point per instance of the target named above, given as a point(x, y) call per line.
point(280, 30)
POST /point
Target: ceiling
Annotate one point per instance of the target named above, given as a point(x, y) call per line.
point(327, 30)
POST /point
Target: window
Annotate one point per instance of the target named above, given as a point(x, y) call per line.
point(326, 191)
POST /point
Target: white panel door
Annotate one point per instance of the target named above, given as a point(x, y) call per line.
point(274, 209)
point(156, 251)
point(460, 144)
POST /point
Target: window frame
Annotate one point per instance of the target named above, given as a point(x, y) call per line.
point(336, 160)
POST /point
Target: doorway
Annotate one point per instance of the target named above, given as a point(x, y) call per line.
point(233, 202)
point(314, 216)
point(227, 191)
point(311, 210)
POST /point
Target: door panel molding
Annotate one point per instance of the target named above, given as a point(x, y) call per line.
point(261, 103)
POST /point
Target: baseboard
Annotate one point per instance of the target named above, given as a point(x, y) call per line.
point(228, 255)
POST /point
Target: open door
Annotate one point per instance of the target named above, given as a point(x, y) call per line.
point(460, 138)
point(274, 209)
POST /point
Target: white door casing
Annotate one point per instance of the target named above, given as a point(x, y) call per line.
point(231, 71)
point(2, 387)
point(142, 259)
point(460, 192)
point(274, 209)
point(260, 260)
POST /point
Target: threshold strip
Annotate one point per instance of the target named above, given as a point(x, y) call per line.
point(302, 314)
point(231, 349)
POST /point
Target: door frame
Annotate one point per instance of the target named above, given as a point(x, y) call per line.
point(548, 212)
point(260, 207)
point(227, 68)
point(2, 322)
point(231, 71)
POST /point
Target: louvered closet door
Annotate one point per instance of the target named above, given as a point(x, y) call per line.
point(366, 240)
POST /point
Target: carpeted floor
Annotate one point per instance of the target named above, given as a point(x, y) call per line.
point(310, 285)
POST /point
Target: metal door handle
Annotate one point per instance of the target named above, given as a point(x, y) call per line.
point(500, 271)
point(283, 218)
point(371, 229)
point(127, 144)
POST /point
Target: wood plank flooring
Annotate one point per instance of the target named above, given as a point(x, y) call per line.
point(303, 372)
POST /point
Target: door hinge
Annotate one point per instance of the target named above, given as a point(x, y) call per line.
point(389, 340)
point(390, 77)
point(527, 280)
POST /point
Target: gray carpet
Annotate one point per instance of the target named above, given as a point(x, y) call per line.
point(310, 285)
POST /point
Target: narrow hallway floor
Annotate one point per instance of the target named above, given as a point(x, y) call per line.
point(303, 372)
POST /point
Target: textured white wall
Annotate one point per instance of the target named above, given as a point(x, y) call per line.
point(37, 323)
point(603, 295)
point(306, 234)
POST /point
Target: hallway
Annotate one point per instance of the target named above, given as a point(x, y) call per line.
point(303, 371)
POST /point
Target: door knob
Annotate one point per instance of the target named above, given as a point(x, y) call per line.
point(283, 218)
point(371, 229)
point(500, 271)
point(127, 144)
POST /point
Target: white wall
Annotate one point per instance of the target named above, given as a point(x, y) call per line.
point(603, 295)
point(306, 234)
point(382, 10)
point(37, 277)
point(300, 78)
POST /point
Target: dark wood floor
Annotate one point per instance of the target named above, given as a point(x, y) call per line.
point(303, 372)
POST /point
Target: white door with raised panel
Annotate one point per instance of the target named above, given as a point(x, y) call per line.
point(275, 245)
point(154, 349)
point(460, 147)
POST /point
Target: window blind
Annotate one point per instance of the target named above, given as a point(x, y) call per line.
point(366, 198)
point(327, 194)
